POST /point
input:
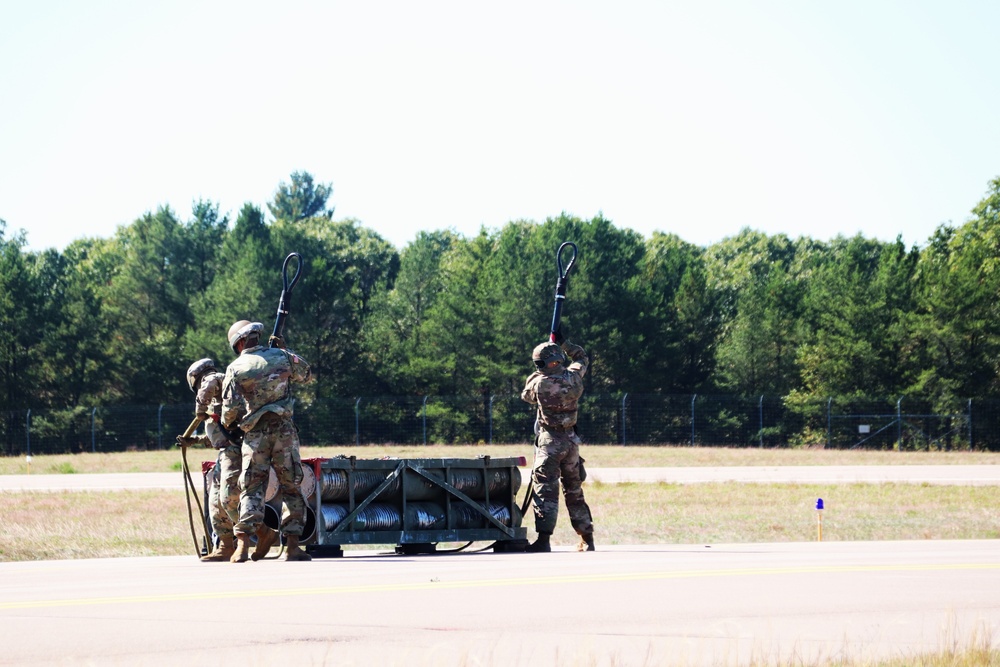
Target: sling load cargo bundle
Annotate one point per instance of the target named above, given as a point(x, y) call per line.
point(415, 504)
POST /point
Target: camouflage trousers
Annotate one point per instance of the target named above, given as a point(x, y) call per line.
point(272, 443)
point(557, 457)
point(224, 499)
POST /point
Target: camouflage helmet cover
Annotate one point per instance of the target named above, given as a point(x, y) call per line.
point(243, 329)
point(197, 369)
point(545, 353)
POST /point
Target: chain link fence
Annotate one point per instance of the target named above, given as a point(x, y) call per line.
point(624, 419)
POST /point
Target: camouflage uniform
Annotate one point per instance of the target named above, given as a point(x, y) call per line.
point(256, 395)
point(224, 502)
point(557, 447)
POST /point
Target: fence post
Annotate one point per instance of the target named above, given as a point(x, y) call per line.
point(624, 439)
point(491, 420)
point(899, 425)
point(693, 397)
point(424, 413)
point(357, 421)
point(829, 422)
point(970, 424)
point(93, 436)
point(760, 412)
point(27, 431)
point(159, 427)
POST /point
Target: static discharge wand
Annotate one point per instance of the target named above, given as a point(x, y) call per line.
point(284, 302)
point(561, 283)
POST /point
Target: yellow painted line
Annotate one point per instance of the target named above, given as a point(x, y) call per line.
point(491, 583)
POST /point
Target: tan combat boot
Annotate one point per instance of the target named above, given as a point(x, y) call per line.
point(266, 537)
point(242, 548)
point(293, 551)
point(222, 552)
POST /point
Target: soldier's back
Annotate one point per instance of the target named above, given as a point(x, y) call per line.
point(262, 374)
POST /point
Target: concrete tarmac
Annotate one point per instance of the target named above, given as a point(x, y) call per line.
point(711, 605)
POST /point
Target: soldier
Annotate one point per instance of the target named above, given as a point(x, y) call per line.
point(555, 388)
point(224, 502)
point(256, 396)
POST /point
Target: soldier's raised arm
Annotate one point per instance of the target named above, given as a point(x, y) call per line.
point(300, 370)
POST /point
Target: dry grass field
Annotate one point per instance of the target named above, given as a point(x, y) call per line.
point(46, 526)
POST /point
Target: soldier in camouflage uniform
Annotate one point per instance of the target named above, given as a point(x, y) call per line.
point(224, 502)
point(256, 396)
point(555, 388)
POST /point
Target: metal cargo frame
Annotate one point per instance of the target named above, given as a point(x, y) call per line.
point(403, 483)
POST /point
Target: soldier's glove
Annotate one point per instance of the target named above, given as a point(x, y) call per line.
point(557, 336)
point(194, 440)
point(276, 341)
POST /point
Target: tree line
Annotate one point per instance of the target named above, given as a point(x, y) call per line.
point(116, 321)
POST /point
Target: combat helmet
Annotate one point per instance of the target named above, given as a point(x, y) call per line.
point(242, 330)
point(545, 353)
point(197, 369)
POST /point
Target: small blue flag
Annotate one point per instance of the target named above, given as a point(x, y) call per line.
point(819, 503)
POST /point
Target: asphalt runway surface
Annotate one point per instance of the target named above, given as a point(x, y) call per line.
point(711, 605)
point(724, 604)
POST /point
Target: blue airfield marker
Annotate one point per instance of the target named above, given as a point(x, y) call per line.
point(819, 519)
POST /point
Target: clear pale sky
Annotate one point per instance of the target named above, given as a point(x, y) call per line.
point(699, 118)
